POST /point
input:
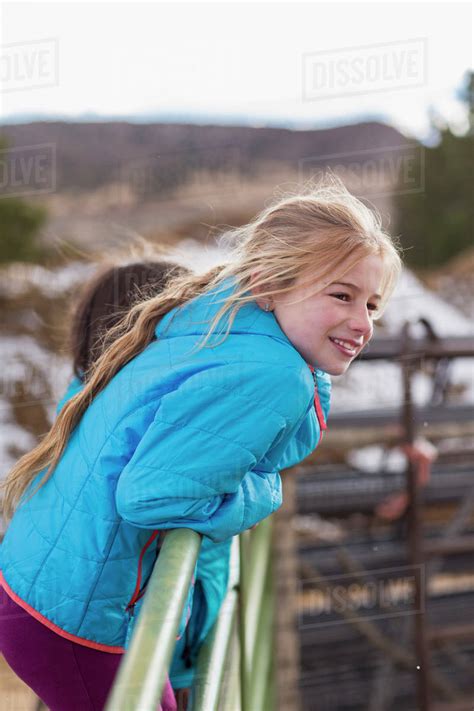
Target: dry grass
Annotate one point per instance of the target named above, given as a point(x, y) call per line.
point(110, 215)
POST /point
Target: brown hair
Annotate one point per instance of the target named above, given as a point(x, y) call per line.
point(105, 300)
point(321, 232)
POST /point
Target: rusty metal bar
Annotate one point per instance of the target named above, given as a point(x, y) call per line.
point(382, 417)
point(390, 348)
point(415, 535)
point(462, 705)
point(452, 633)
point(453, 547)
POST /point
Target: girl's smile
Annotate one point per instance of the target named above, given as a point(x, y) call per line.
point(330, 328)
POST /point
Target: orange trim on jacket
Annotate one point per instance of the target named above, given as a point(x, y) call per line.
point(317, 406)
point(54, 628)
point(137, 594)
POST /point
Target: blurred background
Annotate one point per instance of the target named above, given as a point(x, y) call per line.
point(128, 125)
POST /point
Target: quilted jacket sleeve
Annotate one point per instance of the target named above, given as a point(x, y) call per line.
point(199, 464)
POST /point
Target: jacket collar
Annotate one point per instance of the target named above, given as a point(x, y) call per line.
point(194, 317)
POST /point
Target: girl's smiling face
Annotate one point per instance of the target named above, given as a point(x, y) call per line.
point(330, 328)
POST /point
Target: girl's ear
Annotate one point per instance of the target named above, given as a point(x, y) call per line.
point(265, 302)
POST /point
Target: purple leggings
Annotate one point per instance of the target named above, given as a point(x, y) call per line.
point(67, 676)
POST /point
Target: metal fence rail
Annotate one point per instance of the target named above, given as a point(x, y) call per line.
point(142, 673)
point(220, 648)
point(243, 628)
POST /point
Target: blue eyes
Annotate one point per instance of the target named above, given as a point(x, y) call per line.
point(372, 307)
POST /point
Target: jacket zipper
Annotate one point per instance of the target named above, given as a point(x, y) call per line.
point(137, 593)
point(317, 405)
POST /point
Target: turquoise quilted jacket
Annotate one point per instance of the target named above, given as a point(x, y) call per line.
point(178, 438)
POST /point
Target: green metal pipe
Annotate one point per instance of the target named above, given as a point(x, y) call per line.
point(256, 571)
point(254, 562)
point(213, 657)
point(245, 668)
point(261, 680)
point(142, 673)
point(230, 697)
point(143, 670)
point(213, 664)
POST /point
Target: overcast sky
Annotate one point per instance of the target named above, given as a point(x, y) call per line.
point(315, 63)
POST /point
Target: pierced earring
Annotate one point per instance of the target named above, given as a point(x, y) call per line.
point(267, 307)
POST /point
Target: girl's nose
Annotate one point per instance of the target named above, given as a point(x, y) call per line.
point(362, 323)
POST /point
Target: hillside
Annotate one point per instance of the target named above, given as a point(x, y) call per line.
point(168, 181)
point(92, 154)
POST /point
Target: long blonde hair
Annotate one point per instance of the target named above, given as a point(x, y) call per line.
point(320, 231)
